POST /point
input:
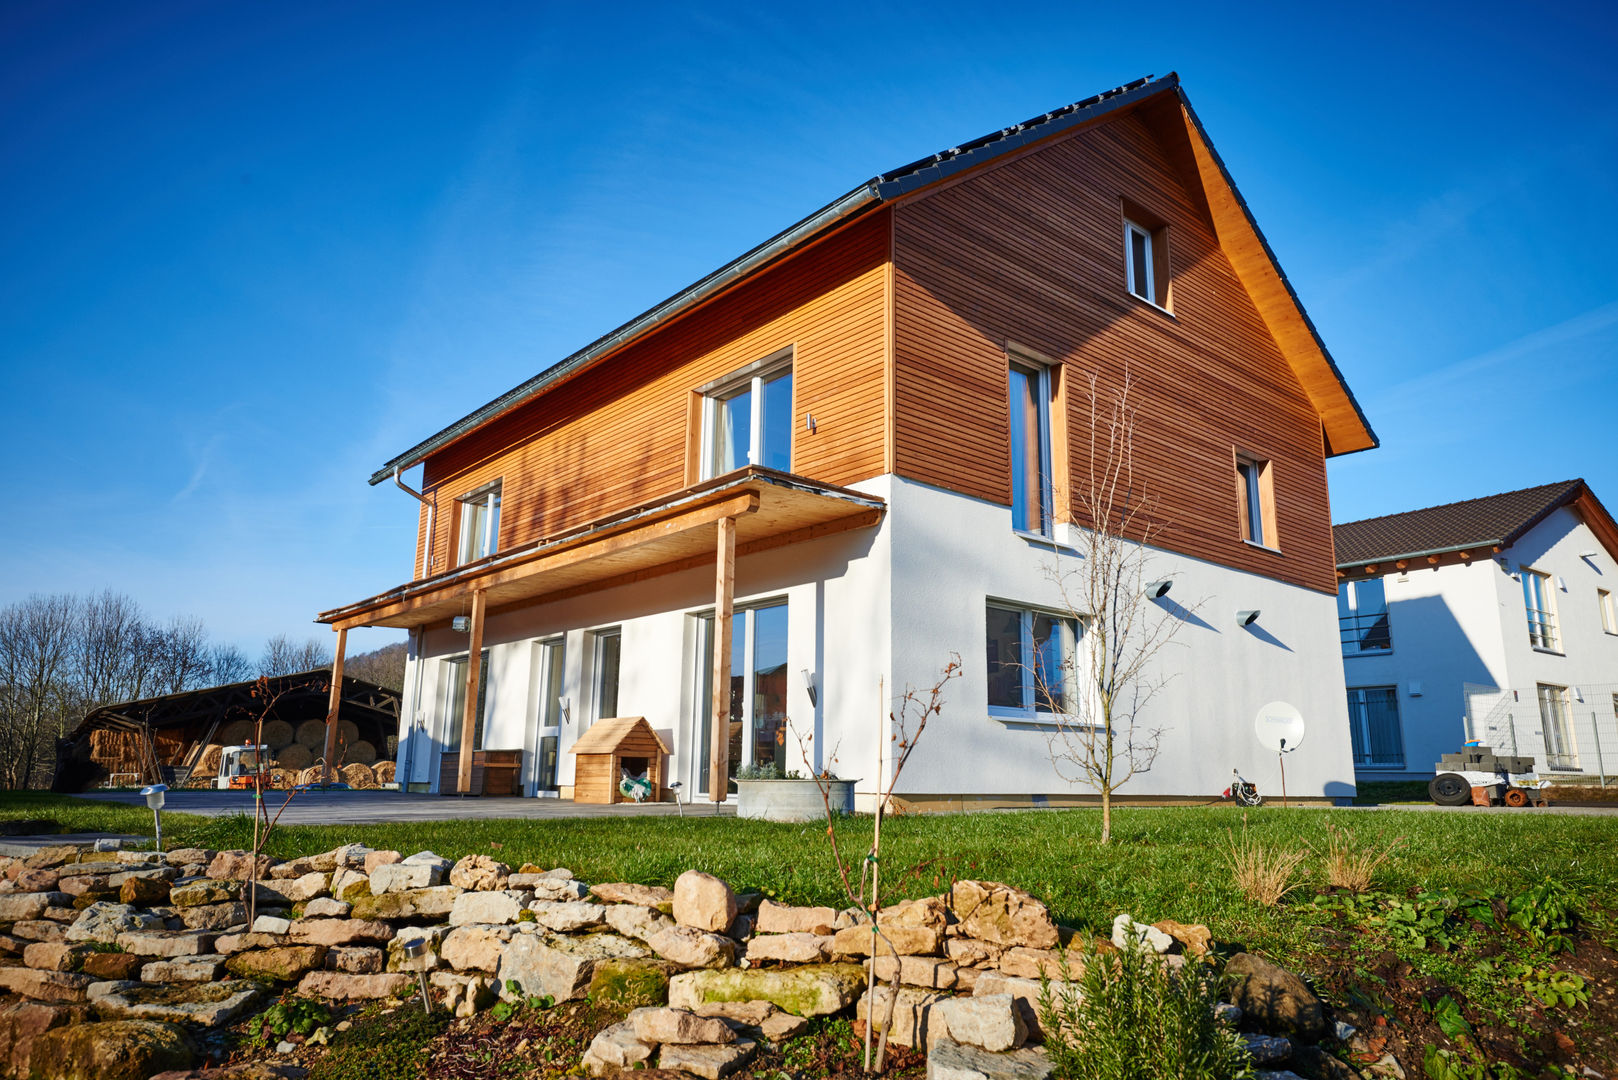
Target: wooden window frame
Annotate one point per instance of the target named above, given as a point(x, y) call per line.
point(1262, 493)
point(753, 377)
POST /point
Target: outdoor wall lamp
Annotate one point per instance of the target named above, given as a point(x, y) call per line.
point(1156, 590)
point(809, 687)
point(155, 796)
point(461, 624)
point(1247, 618)
point(415, 958)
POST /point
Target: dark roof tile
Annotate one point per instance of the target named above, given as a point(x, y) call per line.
point(1493, 519)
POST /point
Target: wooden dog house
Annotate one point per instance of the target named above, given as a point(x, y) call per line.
point(610, 747)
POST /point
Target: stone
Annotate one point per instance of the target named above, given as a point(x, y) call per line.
point(1002, 915)
point(104, 921)
point(708, 1062)
point(1024, 991)
point(665, 1025)
point(147, 892)
point(950, 1060)
point(992, 1022)
point(237, 866)
point(198, 893)
point(89, 883)
point(398, 877)
point(621, 892)
point(189, 856)
point(562, 967)
point(54, 956)
point(545, 887)
point(464, 995)
point(912, 1013)
point(794, 948)
point(1194, 938)
point(61, 914)
point(270, 924)
point(475, 948)
point(429, 858)
point(438, 900)
point(635, 921)
point(1129, 934)
point(207, 1004)
point(230, 944)
point(629, 984)
point(690, 947)
point(325, 907)
point(931, 911)
point(567, 916)
point(44, 985)
point(1051, 963)
point(114, 967)
point(434, 936)
point(900, 940)
point(215, 916)
point(295, 868)
point(1227, 1014)
point(1275, 999)
point(112, 1050)
point(355, 959)
point(773, 918)
point(374, 859)
point(1268, 1049)
point(18, 907)
point(812, 990)
point(479, 873)
point(39, 930)
point(923, 971)
point(1317, 1063)
point(164, 943)
point(43, 879)
point(704, 902)
point(344, 987)
point(340, 931)
point(283, 963)
point(21, 1022)
point(617, 1047)
point(205, 968)
point(306, 887)
point(348, 883)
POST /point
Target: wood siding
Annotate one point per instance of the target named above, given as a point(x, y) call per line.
point(1031, 252)
point(621, 434)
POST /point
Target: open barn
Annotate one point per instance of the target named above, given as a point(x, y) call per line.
point(177, 739)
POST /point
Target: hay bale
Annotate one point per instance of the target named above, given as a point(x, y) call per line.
point(359, 776)
point(311, 734)
point(295, 757)
point(348, 732)
point(236, 733)
point(311, 775)
point(384, 771)
point(277, 733)
point(362, 752)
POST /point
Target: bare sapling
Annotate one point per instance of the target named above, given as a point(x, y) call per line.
point(265, 698)
point(903, 726)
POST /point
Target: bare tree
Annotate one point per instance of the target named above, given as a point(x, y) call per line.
point(1099, 738)
point(36, 651)
point(384, 666)
point(181, 656)
point(283, 656)
point(228, 664)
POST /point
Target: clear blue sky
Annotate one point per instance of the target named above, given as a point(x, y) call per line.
point(250, 251)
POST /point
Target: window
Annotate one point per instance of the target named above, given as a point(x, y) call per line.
point(550, 668)
point(480, 524)
point(1030, 661)
point(1146, 260)
point(1557, 722)
point(748, 421)
point(758, 690)
point(1373, 721)
point(1609, 614)
point(1541, 606)
point(608, 653)
point(1362, 617)
point(1255, 500)
point(455, 703)
point(1030, 395)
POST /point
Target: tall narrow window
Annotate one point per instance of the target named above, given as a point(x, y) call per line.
point(480, 524)
point(758, 691)
point(1557, 724)
point(1362, 617)
point(455, 703)
point(748, 421)
point(1255, 500)
point(1146, 261)
point(550, 659)
point(1540, 604)
point(1609, 613)
point(1030, 397)
point(608, 653)
point(1373, 721)
point(1029, 660)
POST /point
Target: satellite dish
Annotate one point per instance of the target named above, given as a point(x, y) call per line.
point(1279, 726)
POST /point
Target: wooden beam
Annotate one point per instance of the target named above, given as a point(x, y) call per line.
point(1402, 564)
point(469, 714)
point(1432, 560)
point(724, 595)
point(335, 702)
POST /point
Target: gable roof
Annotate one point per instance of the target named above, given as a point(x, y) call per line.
point(1493, 520)
point(604, 736)
point(1345, 425)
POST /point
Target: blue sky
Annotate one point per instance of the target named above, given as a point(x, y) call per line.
point(249, 252)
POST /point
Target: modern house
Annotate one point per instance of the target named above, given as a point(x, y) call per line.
point(1491, 619)
point(758, 512)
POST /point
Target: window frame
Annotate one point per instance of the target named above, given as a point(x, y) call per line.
point(703, 702)
point(1255, 500)
point(490, 496)
point(750, 379)
point(598, 640)
point(1352, 646)
point(1360, 728)
point(1565, 756)
point(1133, 229)
point(1041, 374)
point(455, 690)
point(1609, 611)
point(1031, 711)
point(1544, 633)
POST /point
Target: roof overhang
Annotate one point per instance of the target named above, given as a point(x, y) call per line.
point(675, 533)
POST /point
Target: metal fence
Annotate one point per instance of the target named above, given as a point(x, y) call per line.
point(1569, 731)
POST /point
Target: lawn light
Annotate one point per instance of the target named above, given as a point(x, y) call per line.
point(415, 958)
point(155, 796)
point(1156, 590)
point(1247, 618)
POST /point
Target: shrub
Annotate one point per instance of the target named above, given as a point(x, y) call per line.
point(1127, 1016)
point(1263, 876)
point(1350, 866)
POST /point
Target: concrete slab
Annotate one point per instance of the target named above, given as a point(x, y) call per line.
point(381, 807)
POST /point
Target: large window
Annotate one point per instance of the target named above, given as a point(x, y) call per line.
point(1541, 605)
point(748, 421)
point(550, 658)
point(758, 691)
point(608, 654)
point(480, 524)
point(1373, 722)
point(1030, 395)
point(1255, 500)
point(1029, 661)
point(455, 703)
point(1556, 720)
point(1362, 617)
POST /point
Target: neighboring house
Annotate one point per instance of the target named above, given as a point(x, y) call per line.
point(809, 478)
point(1490, 619)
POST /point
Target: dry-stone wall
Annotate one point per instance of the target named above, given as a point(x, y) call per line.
point(114, 962)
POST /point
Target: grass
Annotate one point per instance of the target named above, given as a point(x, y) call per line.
point(1163, 862)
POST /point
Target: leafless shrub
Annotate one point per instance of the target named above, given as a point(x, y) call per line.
point(1351, 866)
point(1263, 875)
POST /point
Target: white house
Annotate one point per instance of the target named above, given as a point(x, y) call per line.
point(1491, 619)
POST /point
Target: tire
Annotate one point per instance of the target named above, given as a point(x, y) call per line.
point(1450, 789)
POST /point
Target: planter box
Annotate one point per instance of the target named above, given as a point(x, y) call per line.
point(791, 800)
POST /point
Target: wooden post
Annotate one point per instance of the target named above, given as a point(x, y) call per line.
point(469, 716)
point(332, 707)
point(724, 591)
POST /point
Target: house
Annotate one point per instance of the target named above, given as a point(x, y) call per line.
point(1491, 619)
point(758, 512)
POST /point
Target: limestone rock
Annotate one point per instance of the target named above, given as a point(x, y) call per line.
point(922, 971)
point(568, 916)
point(207, 1004)
point(704, 902)
point(690, 947)
point(434, 936)
point(296, 868)
point(708, 1062)
point(1129, 934)
point(307, 887)
point(545, 887)
point(630, 984)
point(756, 1016)
point(104, 921)
point(1268, 1049)
point(635, 921)
point(812, 990)
point(340, 931)
point(1024, 991)
point(1194, 938)
point(464, 995)
point(795, 948)
point(22, 1022)
point(355, 959)
point(475, 948)
point(164, 943)
point(559, 966)
point(1032, 963)
point(374, 859)
point(43, 879)
point(1275, 999)
point(284, 963)
point(666, 1025)
point(17, 907)
point(147, 892)
point(617, 1047)
point(398, 877)
point(930, 911)
point(912, 1013)
point(111, 1050)
point(114, 967)
point(900, 940)
point(438, 900)
point(950, 1060)
point(348, 883)
point(776, 918)
point(215, 916)
point(649, 896)
point(197, 893)
point(39, 930)
point(54, 956)
point(190, 856)
point(970, 952)
point(342, 987)
point(486, 907)
point(1002, 915)
point(324, 907)
point(479, 873)
point(89, 883)
point(237, 866)
point(991, 1022)
point(44, 985)
point(271, 924)
point(205, 968)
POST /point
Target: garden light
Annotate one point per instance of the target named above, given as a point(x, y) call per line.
point(155, 796)
point(415, 958)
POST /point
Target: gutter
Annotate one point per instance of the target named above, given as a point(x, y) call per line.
point(1421, 554)
point(426, 548)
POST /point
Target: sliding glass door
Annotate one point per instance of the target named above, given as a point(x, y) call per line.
point(545, 727)
point(757, 729)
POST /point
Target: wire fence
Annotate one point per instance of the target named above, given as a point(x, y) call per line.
point(1570, 731)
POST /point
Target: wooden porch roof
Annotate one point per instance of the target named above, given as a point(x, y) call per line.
point(677, 532)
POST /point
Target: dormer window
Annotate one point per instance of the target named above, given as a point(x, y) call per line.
point(480, 524)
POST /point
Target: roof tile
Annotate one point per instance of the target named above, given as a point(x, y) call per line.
point(1493, 519)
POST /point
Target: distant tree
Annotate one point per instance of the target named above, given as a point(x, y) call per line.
point(384, 666)
point(283, 656)
point(36, 655)
point(228, 664)
point(181, 656)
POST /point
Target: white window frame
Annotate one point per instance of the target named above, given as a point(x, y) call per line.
point(1563, 756)
point(1609, 611)
point(455, 684)
point(1544, 633)
point(598, 639)
point(1047, 515)
point(489, 496)
point(702, 710)
point(1131, 230)
point(751, 378)
point(1072, 633)
point(1362, 721)
point(1352, 647)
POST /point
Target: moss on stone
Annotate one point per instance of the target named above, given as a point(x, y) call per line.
point(630, 984)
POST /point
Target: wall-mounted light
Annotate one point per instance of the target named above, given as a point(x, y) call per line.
point(1561, 582)
point(1247, 618)
point(1578, 695)
point(1156, 590)
point(564, 707)
point(461, 624)
point(1588, 554)
point(1414, 688)
point(809, 422)
point(809, 687)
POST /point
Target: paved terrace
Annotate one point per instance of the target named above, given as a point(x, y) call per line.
point(378, 807)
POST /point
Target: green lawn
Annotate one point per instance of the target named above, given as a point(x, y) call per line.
point(1163, 863)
